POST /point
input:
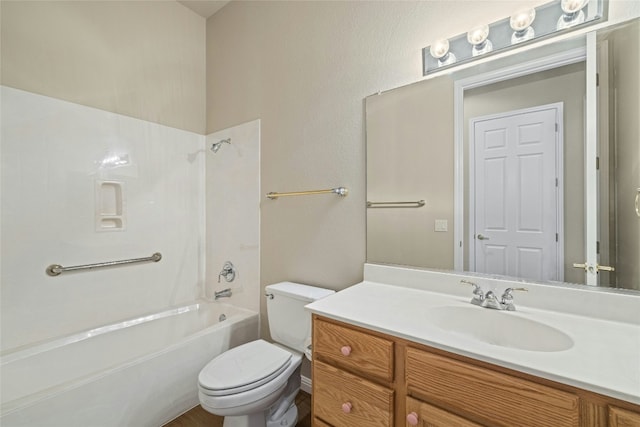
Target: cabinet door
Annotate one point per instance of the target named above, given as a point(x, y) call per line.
point(346, 400)
point(425, 415)
point(622, 418)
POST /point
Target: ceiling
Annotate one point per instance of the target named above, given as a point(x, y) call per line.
point(204, 8)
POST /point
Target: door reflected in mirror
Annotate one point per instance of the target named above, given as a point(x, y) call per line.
point(525, 161)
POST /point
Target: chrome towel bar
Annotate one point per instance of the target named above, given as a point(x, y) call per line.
point(341, 191)
point(56, 269)
point(416, 204)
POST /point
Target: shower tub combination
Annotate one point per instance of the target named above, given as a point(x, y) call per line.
point(139, 372)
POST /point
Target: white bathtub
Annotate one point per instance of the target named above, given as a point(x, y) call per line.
point(139, 372)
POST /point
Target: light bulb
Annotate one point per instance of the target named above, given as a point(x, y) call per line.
point(440, 51)
point(478, 37)
point(520, 23)
point(522, 20)
point(572, 13)
point(572, 6)
point(440, 48)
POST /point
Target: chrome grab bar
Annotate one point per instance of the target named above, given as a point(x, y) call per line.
point(57, 269)
point(416, 204)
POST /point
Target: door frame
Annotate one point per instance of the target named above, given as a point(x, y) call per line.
point(559, 167)
point(568, 57)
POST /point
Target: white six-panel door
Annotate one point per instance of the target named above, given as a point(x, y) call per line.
point(515, 204)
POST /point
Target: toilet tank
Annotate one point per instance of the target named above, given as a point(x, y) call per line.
point(289, 322)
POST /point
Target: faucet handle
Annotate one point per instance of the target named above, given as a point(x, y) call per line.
point(478, 293)
point(228, 272)
point(507, 297)
point(508, 293)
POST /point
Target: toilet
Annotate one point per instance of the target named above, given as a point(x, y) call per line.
point(255, 384)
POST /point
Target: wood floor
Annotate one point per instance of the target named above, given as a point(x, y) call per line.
point(198, 417)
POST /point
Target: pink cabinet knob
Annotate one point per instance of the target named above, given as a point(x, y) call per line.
point(345, 350)
point(346, 407)
point(412, 419)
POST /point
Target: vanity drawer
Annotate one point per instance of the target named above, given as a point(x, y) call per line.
point(353, 350)
point(342, 399)
point(426, 415)
point(500, 399)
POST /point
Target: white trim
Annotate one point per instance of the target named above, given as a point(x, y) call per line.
point(590, 153)
point(546, 63)
point(305, 384)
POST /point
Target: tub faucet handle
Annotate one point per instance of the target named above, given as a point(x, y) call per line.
point(228, 272)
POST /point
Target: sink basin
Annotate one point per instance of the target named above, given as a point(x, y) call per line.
point(499, 328)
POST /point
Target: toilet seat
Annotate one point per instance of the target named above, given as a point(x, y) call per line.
point(243, 368)
point(254, 397)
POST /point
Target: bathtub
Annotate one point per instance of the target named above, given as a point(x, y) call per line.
point(138, 372)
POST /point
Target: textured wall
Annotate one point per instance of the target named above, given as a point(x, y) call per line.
point(144, 59)
point(304, 69)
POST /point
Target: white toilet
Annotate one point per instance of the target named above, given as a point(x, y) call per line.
point(255, 384)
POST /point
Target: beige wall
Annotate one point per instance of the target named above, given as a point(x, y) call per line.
point(566, 85)
point(408, 159)
point(144, 59)
point(627, 141)
point(304, 69)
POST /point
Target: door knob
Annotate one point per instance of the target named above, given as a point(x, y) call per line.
point(481, 237)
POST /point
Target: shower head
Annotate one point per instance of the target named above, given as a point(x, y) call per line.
point(216, 146)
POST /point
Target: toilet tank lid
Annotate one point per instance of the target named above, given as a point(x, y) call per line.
point(299, 291)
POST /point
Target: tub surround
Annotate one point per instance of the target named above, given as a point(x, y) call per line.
point(604, 325)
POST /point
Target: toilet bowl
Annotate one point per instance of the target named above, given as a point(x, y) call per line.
point(255, 384)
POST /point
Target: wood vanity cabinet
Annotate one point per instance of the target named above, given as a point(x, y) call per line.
point(363, 378)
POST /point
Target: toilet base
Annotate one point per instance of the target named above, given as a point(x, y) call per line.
point(289, 419)
point(251, 420)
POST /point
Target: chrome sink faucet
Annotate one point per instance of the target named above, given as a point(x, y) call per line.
point(490, 299)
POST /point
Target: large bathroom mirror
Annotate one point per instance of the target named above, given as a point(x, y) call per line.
point(527, 166)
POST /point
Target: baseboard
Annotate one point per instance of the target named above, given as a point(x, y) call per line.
point(305, 384)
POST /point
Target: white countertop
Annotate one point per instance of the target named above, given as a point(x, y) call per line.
point(605, 356)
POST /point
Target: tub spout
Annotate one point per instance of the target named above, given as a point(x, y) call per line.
point(225, 293)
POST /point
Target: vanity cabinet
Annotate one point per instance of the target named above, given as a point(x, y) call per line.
point(364, 378)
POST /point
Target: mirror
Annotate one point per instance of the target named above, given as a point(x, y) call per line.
point(446, 187)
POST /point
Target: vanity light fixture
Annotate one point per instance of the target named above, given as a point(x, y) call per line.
point(520, 22)
point(572, 13)
point(440, 51)
point(524, 26)
point(479, 38)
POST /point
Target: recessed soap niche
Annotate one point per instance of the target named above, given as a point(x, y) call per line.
point(110, 206)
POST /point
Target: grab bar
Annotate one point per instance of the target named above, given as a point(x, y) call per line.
point(57, 269)
point(416, 204)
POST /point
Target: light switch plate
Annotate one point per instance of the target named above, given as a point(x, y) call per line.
point(441, 225)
